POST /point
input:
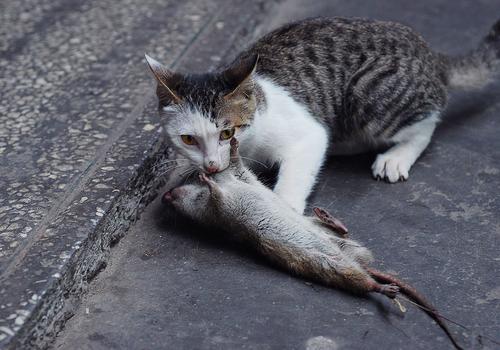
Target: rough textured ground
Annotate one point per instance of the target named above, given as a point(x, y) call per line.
point(172, 285)
point(80, 141)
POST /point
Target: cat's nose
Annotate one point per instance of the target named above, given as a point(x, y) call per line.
point(212, 167)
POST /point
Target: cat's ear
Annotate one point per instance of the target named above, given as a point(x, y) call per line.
point(167, 80)
point(239, 75)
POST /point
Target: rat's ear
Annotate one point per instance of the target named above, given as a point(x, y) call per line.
point(167, 81)
point(238, 76)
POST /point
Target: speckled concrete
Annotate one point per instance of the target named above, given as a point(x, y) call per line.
point(171, 285)
point(80, 142)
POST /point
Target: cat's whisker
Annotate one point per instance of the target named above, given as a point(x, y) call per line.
point(188, 170)
point(329, 205)
point(170, 169)
point(189, 175)
point(190, 167)
point(256, 161)
point(170, 161)
point(172, 166)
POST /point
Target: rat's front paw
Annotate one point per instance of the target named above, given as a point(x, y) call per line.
point(297, 204)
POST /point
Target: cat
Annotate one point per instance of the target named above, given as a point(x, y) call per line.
point(316, 87)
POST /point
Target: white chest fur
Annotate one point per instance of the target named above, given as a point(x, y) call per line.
point(286, 133)
point(284, 123)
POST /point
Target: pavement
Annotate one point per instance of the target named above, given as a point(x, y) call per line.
point(81, 146)
point(172, 285)
point(81, 155)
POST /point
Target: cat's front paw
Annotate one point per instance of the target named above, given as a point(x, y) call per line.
point(391, 168)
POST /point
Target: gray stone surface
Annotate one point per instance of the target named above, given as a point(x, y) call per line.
point(171, 285)
point(81, 147)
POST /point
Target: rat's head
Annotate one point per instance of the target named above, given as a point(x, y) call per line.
point(201, 113)
point(192, 200)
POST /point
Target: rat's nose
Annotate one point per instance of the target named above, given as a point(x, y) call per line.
point(171, 195)
point(167, 197)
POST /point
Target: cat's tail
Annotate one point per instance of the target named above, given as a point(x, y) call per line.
point(480, 66)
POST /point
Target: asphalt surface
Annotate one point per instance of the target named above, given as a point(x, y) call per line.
point(172, 285)
point(80, 139)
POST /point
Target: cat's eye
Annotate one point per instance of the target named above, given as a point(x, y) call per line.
point(188, 140)
point(227, 134)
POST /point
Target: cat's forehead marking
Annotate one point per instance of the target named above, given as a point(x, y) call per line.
point(195, 122)
point(203, 98)
point(202, 92)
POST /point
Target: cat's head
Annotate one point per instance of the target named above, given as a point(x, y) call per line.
point(202, 112)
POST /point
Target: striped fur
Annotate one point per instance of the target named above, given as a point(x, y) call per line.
point(366, 83)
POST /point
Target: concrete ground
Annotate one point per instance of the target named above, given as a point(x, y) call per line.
point(81, 144)
point(171, 285)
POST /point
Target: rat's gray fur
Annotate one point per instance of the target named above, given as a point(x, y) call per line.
point(237, 200)
point(307, 246)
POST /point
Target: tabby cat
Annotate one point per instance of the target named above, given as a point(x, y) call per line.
point(319, 86)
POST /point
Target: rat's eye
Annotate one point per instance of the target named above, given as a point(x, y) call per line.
point(226, 134)
point(188, 140)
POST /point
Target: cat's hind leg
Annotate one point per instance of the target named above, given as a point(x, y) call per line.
point(394, 165)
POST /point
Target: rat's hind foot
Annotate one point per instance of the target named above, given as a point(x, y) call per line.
point(330, 221)
point(389, 290)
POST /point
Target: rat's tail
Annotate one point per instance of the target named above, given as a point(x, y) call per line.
point(416, 297)
point(478, 67)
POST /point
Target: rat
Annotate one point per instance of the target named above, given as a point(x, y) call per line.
point(315, 247)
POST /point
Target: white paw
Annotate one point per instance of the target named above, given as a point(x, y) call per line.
point(391, 167)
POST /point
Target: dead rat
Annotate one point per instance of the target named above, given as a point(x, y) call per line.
point(312, 247)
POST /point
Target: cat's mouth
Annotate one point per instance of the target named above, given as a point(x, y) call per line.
point(212, 170)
